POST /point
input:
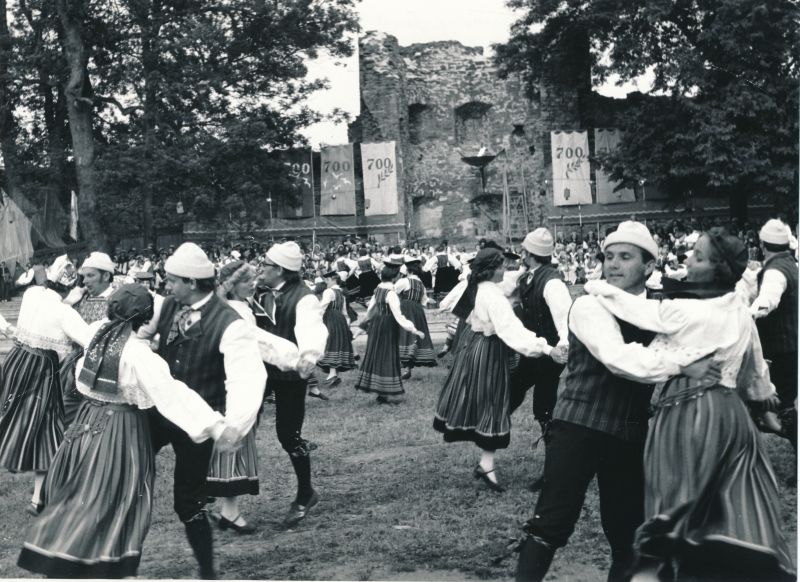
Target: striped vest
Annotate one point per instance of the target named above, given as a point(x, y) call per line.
point(534, 312)
point(285, 318)
point(778, 330)
point(414, 294)
point(595, 398)
point(194, 358)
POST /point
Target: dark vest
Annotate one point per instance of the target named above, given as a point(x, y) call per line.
point(365, 265)
point(442, 262)
point(534, 312)
point(285, 318)
point(91, 309)
point(778, 330)
point(341, 265)
point(195, 358)
point(595, 398)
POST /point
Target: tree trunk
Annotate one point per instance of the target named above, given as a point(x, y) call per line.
point(8, 125)
point(80, 110)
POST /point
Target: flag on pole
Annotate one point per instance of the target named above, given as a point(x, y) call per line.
point(606, 141)
point(379, 169)
point(337, 181)
point(570, 158)
point(73, 216)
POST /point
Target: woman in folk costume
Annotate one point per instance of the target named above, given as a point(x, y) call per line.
point(338, 356)
point(32, 413)
point(99, 490)
point(474, 402)
point(712, 505)
point(414, 350)
point(235, 473)
point(368, 279)
point(380, 368)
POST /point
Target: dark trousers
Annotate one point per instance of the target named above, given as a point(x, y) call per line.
point(573, 456)
point(290, 411)
point(191, 465)
point(541, 374)
point(783, 373)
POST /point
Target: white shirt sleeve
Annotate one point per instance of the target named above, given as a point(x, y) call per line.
point(773, 285)
point(597, 329)
point(753, 381)
point(747, 286)
point(309, 329)
point(510, 280)
point(176, 401)
point(393, 301)
point(454, 262)
point(276, 350)
point(73, 325)
point(245, 376)
point(4, 325)
point(25, 278)
point(559, 301)
point(402, 285)
point(327, 298)
point(509, 328)
point(430, 265)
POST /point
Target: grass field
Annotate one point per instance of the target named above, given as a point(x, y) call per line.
point(396, 503)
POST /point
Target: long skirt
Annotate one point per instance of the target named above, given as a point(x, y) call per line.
point(380, 367)
point(415, 351)
point(339, 347)
point(71, 397)
point(236, 472)
point(711, 496)
point(98, 497)
point(474, 402)
point(31, 410)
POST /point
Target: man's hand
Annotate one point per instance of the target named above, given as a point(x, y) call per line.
point(559, 354)
point(228, 441)
point(305, 366)
point(705, 369)
point(421, 334)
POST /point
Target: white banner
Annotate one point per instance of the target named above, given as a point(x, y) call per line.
point(337, 181)
point(379, 169)
point(606, 141)
point(570, 157)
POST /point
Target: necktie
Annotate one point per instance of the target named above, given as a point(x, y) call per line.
point(178, 323)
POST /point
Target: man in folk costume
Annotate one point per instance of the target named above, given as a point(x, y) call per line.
point(344, 263)
point(293, 312)
point(210, 348)
point(775, 311)
point(543, 307)
point(90, 300)
point(600, 420)
point(444, 267)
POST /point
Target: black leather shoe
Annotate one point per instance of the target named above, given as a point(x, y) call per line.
point(479, 473)
point(442, 354)
point(406, 374)
point(240, 529)
point(34, 509)
point(319, 395)
point(335, 381)
point(298, 512)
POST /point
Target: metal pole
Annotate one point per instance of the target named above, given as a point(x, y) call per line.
point(313, 200)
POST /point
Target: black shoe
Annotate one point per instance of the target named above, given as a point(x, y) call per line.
point(406, 374)
point(319, 395)
point(356, 357)
point(245, 529)
point(34, 509)
point(479, 473)
point(298, 512)
point(443, 353)
point(335, 381)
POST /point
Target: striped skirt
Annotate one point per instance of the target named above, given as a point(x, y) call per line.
point(415, 351)
point(72, 398)
point(711, 496)
point(98, 497)
point(31, 409)
point(236, 472)
point(380, 367)
point(473, 405)
point(339, 347)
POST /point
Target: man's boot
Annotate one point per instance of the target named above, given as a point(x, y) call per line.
point(198, 532)
point(534, 561)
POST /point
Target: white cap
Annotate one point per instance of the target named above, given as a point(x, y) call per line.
point(342, 275)
point(539, 242)
point(189, 261)
point(774, 232)
point(99, 261)
point(236, 254)
point(633, 233)
point(286, 255)
point(318, 280)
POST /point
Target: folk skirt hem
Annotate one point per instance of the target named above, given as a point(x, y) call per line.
point(339, 347)
point(97, 497)
point(234, 473)
point(32, 413)
point(474, 402)
point(711, 494)
point(415, 351)
point(380, 366)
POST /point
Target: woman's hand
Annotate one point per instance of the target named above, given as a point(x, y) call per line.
point(705, 369)
point(559, 354)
